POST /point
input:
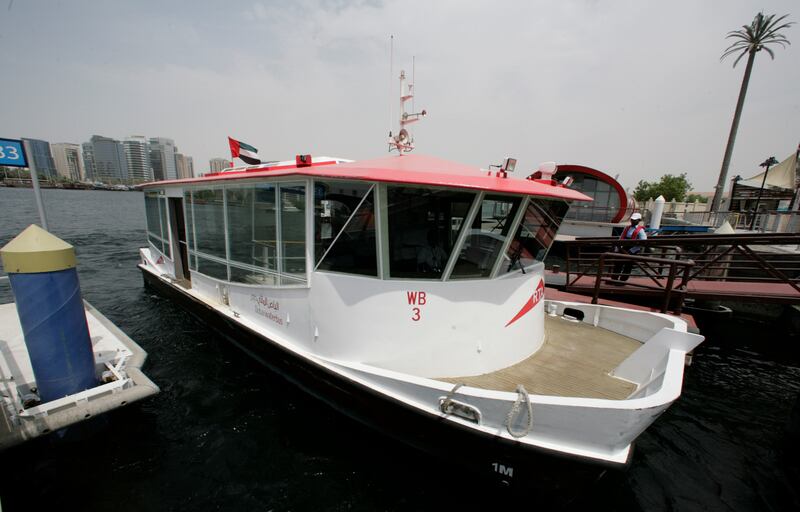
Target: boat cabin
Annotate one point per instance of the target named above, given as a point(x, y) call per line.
point(414, 280)
point(270, 226)
point(392, 248)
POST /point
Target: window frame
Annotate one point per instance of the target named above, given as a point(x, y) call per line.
point(456, 246)
point(163, 213)
point(513, 226)
point(342, 230)
point(380, 198)
point(543, 211)
point(308, 235)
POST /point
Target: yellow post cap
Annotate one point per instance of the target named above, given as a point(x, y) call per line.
point(36, 250)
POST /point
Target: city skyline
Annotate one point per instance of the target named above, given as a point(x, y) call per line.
point(107, 159)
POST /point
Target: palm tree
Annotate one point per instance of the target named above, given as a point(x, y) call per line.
point(751, 39)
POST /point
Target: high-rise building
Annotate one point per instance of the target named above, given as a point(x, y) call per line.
point(137, 156)
point(109, 159)
point(182, 166)
point(162, 158)
point(88, 161)
point(190, 165)
point(219, 164)
point(40, 158)
point(68, 160)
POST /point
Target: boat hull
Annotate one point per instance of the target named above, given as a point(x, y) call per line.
point(505, 462)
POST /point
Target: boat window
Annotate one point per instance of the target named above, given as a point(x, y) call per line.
point(187, 215)
point(266, 229)
point(535, 234)
point(252, 237)
point(156, 213)
point(423, 228)
point(292, 258)
point(209, 230)
point(486, 238)
point(334, 203)
point(353, 248)
point(606, 200)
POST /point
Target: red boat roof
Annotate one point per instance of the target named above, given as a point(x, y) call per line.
point(407, 169)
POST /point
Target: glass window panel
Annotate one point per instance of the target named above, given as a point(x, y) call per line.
point(156, 241)
point(265, 234)
point(601, 199)
point(292, 280)
point(251, 233)
point(209, 222)
point(423, 227)
point(535, 234)
point(251, 225)
point(151, 212)
point(334, 203)
point(293, 232)
point(486, 237)
point(239, 201)
point(212, 268)
point(156, 234)
point(187, 215)
point(355, 251)
point(164, 226)
point(613, 201)
point(252, 276)
point(589, 185)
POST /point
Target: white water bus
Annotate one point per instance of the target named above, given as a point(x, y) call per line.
point(408, 292)
point(410, 289)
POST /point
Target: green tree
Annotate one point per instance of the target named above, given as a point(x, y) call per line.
point(751, 39)
point(696, 197)
point(673, 188)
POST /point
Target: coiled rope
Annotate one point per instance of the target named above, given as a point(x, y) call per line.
point(514, 413)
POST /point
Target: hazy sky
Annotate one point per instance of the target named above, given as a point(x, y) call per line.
point(633, 88)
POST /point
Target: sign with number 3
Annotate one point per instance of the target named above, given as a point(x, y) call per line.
point(12, 153)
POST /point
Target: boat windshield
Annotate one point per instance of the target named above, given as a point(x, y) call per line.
point(407, 232)
point(486, 237)
point(535, 234)
point(423, 228)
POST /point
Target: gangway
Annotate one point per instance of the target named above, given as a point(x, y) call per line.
point(670, 269)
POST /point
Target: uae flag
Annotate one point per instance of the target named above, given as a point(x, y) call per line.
point(244, 151)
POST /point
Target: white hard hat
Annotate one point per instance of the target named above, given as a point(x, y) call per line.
point(636, 216)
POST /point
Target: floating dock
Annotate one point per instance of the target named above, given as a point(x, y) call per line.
point(118, 362)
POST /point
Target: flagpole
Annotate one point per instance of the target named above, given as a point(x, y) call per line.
point(38, 194)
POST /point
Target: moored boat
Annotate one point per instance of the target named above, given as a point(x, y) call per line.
point(408, 292)
point(416, 284)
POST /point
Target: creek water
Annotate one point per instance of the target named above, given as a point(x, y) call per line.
point(227, 434)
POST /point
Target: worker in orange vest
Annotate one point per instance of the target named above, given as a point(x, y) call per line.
point(622, 269)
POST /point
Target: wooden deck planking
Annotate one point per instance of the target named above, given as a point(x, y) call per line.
point(575, 360)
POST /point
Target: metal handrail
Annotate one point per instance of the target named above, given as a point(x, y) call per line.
point(713, 257)
point(643, 263)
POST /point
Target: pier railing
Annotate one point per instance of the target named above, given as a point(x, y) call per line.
point(610, 265)
point(771, 221)
point(708, 266)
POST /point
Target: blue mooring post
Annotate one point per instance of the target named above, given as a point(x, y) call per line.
point(44, 281)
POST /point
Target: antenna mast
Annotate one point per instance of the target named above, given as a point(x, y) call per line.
point(391, 73)
point(403, 142)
